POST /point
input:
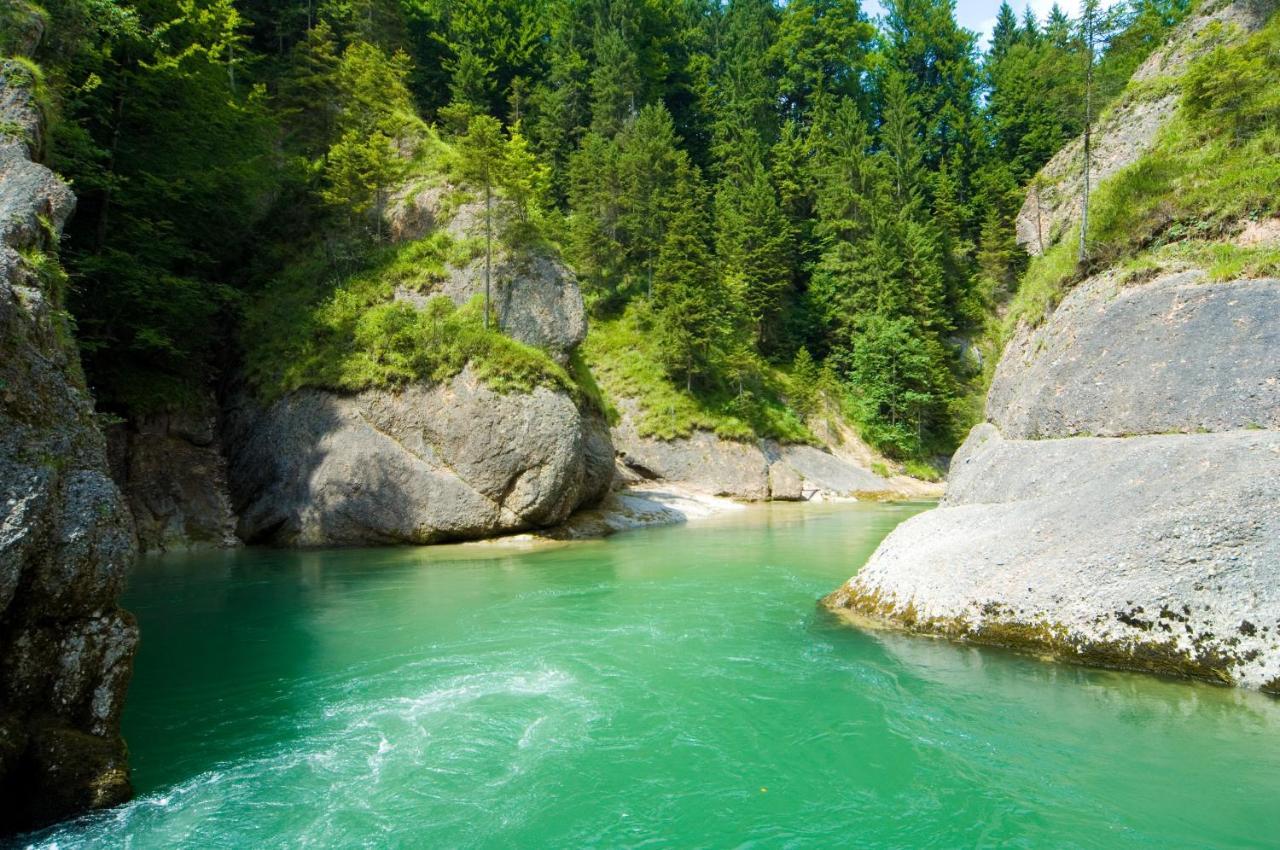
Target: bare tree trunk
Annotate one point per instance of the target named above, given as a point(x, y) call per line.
point(488, 246)
point(1089, 24)
point(1039, 222)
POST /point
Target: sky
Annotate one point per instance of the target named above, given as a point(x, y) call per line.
point(980, 15)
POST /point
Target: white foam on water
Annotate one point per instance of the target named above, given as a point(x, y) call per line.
point(313, 788)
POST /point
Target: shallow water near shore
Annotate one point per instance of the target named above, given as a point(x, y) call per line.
point(673, 687)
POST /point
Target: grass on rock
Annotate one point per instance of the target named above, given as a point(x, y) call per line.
point(349, 334)
point(1214, 166)
point(622, 354)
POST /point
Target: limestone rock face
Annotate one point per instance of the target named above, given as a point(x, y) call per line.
point(173, 474)
point(453, 461)
point(1156, 552)
point(1175, 354)
point(66, 537)
point(535, 296)
point(756, 470)
point(718, 467)
point(1129, 127)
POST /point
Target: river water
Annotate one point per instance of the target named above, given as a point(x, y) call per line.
point(673, 687)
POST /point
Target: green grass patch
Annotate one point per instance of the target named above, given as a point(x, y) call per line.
point(921, 469)
point(622, 354)
point(1215, 164)
point(313, 328)
point(1220, 260)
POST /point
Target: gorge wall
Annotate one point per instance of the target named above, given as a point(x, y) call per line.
point(66, 536)
point(1118, 507)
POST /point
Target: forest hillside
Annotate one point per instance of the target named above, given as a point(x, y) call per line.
point(768, 207)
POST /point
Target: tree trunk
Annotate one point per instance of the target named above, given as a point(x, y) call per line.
point(1088, 120)
point(488, 247)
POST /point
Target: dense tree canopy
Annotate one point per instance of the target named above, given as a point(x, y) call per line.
point(769, 182)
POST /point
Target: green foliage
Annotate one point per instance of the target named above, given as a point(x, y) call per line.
point(624, 354)
point(170, 154)
point(621, 197)
point(805, 389)
point(922, 470)
point(1213, 166)
point(901, 384)
point(693, 327)
point(375, 121)
point(736, 186)
point(351, 334)
point(822, 49)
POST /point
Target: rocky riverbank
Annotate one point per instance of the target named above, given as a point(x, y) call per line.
point(1119, 506)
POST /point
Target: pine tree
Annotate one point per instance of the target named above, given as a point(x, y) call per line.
point(648, 161)
point(559, 101)
point(1005, 33)
point(524, 179)
point(374, 116)
point(1030, 32)
point(822, 46)
point(900, 142)
point(900, 378)
point(751, 250)
point(169, 143)
point(481, 159)
point(595, 207)
point(309, 91)
point(850, 202)
point(689, 307)
point(1058, 27)
point(615, 83)
point(743, 90)
point(936, 58)
point(791, 173)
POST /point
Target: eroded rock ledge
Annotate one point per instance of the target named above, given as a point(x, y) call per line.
point(1156, 552)
point(758, 470)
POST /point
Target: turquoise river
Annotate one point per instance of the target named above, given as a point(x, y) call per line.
point(674, 687)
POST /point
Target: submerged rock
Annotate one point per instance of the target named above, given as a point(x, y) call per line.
point(1158, 552)
point(426, 464)
point(66, 537)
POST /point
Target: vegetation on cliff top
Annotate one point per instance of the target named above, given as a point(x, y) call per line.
point(1213, 169)
point(306, 330)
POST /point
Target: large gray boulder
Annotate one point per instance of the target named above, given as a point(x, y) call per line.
point(1176, 354)
point(1156, 552)
point(425, 464)
point(66, 537)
